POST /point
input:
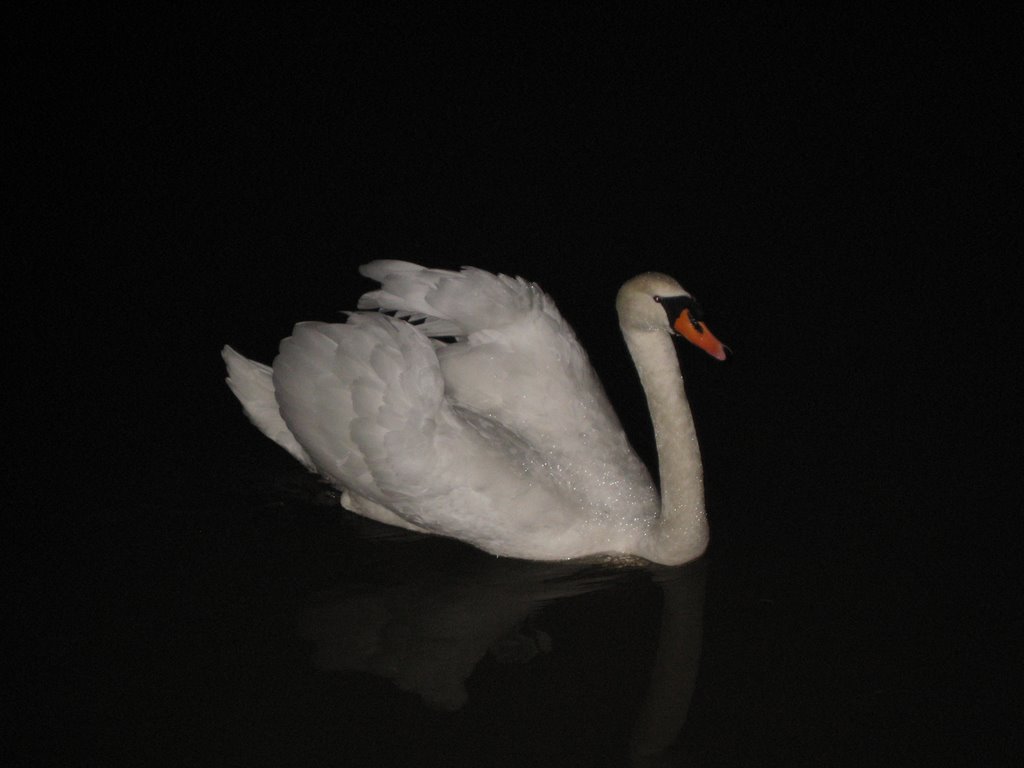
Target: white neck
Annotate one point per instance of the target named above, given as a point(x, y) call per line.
point(681, 532)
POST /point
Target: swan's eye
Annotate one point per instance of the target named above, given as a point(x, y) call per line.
point(658, 299)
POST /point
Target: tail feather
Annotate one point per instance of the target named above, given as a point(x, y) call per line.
point(253, 385)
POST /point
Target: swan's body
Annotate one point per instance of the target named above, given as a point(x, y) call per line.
point(504, 438)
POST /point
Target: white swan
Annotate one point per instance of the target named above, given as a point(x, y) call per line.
point(503, 438)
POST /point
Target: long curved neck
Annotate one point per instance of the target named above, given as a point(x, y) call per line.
point(681, 532)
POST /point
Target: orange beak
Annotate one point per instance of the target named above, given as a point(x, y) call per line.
point(697, 334)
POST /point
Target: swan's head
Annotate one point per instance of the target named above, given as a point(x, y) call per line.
point(653, 302)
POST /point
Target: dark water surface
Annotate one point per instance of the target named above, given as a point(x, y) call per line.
point(262, 625)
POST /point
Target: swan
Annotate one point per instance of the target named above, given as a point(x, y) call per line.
point(460, 403)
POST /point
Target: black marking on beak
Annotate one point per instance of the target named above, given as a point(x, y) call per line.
point(674, 307)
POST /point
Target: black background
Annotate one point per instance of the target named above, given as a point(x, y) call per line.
point(841, 192)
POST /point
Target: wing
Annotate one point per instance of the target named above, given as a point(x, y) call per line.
point(516, 361)
point(253, 384)
point(366, 401)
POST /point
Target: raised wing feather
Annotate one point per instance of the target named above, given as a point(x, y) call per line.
point(452, 303)
point(517, 362)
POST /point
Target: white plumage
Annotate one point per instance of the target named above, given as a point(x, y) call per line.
point(503, 438)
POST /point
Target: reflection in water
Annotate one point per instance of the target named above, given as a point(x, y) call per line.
point(667, 700)
point(427, 631)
